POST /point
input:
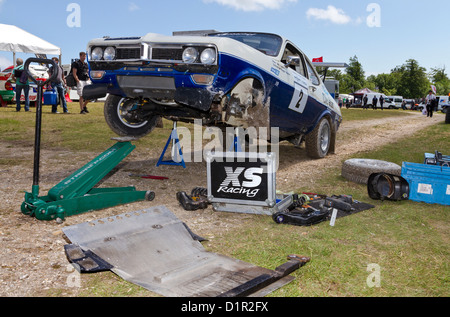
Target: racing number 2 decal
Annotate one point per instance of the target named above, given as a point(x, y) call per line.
point(299, 98)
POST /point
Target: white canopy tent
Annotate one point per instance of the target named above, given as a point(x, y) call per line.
point(16, 40)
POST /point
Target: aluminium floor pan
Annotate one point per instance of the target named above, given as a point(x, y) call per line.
point(154, 249)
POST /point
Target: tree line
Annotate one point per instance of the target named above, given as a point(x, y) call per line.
point(409, 80)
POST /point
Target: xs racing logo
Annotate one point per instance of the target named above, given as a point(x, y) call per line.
point(248, 187)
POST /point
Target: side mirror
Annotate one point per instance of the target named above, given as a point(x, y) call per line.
point(292, 60)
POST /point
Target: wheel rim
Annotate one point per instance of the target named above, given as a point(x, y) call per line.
point(127, 113)
point(324, 138)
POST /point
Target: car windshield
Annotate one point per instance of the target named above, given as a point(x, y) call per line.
point(269, 44)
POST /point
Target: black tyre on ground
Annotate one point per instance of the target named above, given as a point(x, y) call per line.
point(124, 118)
point(318, 141)
point(358, 170)
point(447, 116)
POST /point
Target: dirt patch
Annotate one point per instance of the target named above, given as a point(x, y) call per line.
point(32, 259)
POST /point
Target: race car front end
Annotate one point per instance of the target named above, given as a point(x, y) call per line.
point(164, 72)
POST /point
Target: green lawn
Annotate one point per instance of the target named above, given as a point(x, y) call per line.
point(408, 241)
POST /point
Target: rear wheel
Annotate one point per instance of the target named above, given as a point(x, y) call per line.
point(125, 117)
point(318, 141)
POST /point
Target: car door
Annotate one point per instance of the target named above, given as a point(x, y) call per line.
point(290, 98)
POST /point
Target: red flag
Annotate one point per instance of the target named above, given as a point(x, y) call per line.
point(318, 60)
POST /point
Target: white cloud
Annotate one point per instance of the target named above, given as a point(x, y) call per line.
point(131, 7)
point(252, 5)
point(332, 14)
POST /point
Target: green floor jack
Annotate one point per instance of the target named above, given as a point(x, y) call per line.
point(75, 194)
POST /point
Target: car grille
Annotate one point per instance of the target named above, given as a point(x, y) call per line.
point(166, 54)
point(128, 53)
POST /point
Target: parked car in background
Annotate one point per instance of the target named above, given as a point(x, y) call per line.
point(409, 104)
point(443, 103)
point(238, 79)
point(8, 88)
point(393, 102)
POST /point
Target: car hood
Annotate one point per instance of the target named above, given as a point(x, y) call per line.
point(223, 44)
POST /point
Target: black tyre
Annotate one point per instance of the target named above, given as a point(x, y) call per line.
point(278, 217)
point(318, 141)
point(124, 118)
point(358, 170)
point(447, 116)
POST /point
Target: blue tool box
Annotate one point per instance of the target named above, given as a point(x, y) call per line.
point(50, 97)
point(427, 183)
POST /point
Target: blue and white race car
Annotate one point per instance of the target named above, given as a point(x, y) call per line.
point(237, 79)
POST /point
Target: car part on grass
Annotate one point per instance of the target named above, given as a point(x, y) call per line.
point(447, 116)
point(76, 194)
point(383, 186)
point(152, 248)
point(294, 263)
point(318, 209)
point(200, 192)
point(191, 203)
point(358, 170)
point(85, 261)
point(302, 217)
point(341, 204)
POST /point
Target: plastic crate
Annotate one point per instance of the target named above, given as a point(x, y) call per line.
point(50, 97)
point(427, 183)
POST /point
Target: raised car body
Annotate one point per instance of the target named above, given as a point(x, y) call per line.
point(226, 79)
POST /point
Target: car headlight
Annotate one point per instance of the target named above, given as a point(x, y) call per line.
point(190, 55)
point(109, 54)
point(97, 54)
point(208, 56)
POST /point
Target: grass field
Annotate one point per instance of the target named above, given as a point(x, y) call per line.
point(407, 241)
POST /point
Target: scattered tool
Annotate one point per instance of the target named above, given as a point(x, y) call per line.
point(148, 176)
point(76, 194)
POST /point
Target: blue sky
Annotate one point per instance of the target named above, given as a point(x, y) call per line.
point(397, 30)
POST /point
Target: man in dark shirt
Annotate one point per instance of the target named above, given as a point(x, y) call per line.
point(80, 73)
point(58, 84)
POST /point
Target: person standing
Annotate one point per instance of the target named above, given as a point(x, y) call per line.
point(58, 84)
point(22, 84)
point(365, 100)
point(374, 102)
point(80, 71)
point(381, 102)
point(430, 100)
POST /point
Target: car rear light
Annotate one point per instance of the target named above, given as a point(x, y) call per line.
point(8, 86)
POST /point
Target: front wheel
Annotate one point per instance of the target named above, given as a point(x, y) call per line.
point(318, 141)
point(125, 117)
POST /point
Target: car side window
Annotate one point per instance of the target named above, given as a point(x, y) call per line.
point(291, 51)
point(313, 77)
